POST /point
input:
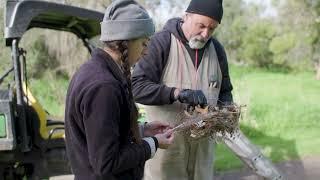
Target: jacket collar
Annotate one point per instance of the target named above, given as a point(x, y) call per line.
point(106, 61)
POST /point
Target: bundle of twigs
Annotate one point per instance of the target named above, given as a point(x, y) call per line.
point(209, 121)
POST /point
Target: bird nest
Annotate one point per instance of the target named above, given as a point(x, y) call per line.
point(211, 121)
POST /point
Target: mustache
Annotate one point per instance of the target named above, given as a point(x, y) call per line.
point(196, 43)
point(200, 39)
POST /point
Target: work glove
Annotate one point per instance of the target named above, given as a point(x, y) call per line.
point(192, 97)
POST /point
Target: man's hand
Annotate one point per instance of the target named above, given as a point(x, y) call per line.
point(192, 97)
point(155, 127)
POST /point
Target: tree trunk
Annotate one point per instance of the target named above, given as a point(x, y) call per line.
point(317, 66)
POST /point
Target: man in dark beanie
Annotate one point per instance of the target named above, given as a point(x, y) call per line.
point(184, 64)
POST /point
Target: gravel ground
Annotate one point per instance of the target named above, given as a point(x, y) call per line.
point(307, 168)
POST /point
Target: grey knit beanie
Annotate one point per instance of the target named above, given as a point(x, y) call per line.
point(125, 20)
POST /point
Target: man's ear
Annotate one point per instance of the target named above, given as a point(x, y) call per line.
point(184, 17)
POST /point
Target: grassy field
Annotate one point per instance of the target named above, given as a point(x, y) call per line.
point(51, 93)
point(282, 114)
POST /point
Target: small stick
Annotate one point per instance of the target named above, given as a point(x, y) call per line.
point(177, 127)
point(187, 123)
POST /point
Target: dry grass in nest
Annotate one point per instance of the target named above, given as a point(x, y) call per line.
point(211, 121)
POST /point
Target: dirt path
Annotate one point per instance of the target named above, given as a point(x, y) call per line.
point(307, 168)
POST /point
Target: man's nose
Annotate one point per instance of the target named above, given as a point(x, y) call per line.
point(205, 34)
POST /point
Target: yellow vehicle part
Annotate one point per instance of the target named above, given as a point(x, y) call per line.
point(42, 115)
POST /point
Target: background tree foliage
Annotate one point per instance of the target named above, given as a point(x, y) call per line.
point(4, 52)
point(287, 40)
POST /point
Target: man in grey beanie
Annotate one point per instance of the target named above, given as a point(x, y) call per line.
point(103, 138)
point(184, 64)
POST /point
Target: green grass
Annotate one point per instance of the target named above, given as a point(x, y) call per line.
point(282, 114)
point(50, 92)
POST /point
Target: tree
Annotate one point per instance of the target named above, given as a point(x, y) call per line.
point(5, 58)
point(232, 28)
point(315, 6)
point(255, 45)
point(245, 34)
point(300, 18)
point(280, 46)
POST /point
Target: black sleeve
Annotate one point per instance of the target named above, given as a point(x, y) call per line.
point(146, 86)
point(101, 121)
point(225, 95)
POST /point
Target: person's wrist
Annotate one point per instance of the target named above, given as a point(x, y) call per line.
point(145, 129)
point(176, 93)
point(156, 142)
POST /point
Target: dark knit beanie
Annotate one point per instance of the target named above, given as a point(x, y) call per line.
point(209, 8)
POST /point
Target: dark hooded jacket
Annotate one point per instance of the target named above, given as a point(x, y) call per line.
point(97, 123)
point(147, 74)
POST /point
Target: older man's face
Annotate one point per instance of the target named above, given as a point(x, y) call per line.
point(198, 29)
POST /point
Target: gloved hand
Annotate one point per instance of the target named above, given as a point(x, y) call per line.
point(192, 97)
